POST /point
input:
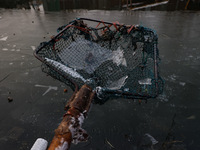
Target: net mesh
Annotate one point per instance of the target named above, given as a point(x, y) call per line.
point(115, 60)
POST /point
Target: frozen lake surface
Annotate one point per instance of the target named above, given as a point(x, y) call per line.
point(171, 121)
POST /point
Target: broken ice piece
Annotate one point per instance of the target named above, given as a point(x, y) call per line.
point(4, 38)
point(148, 140)
point(146, 81)
point(182, 83)
point(33, 48)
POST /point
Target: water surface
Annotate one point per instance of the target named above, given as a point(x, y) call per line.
point(172, 118)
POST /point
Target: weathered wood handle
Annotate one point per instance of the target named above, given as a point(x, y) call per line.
point(70, 129)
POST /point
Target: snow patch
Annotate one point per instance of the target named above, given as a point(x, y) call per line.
point(81, 119)
point(33, 48)
point(78, 134)
point(116, 85)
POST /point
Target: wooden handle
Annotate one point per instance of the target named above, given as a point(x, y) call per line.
point(70, 129)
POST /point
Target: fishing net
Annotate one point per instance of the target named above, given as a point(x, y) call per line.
point(114, 59)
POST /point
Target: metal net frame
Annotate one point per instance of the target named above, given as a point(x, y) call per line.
point(114, 59)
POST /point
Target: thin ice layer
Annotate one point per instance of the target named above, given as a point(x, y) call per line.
point(146, 81)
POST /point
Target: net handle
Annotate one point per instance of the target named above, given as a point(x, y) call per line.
point(70, 126)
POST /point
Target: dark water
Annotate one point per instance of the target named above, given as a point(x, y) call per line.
point(172, 119)
point(57, 5)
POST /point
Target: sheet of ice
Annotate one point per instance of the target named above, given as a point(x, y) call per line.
point(4, 38)
point(118, 57)
point(146, 81)
point(116, 85)
point(85, 55)
point(65, 69)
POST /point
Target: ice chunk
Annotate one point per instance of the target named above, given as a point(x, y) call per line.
point(148, 140)
point(146, 81)
point(4, 38)
point(153, 140)
point(116, 85)
point(118, 57)
point(4, 49)
point(33, 48)
point(182, 83)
